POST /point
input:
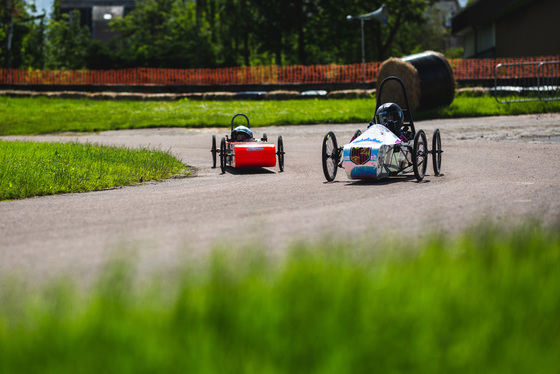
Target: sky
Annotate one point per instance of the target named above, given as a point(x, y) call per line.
point(44, 4)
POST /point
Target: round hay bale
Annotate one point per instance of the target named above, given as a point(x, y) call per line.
point(437, 84)
point(392, 91)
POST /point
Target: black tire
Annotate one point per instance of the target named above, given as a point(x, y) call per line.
point(214, 151)
point(420, 155)
point(330, 156)
point(436, 152)
point(223, 155)
point(356, 134)
point(280, 153)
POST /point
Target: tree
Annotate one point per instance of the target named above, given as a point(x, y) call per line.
point(405, 20)
point(317, 31)
point(67, 42)
point(213, 33)
point(21, 35)
point(164, 33)
point(32, 46)
point(329, 37)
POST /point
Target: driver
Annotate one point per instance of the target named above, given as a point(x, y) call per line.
point(242, 134)
point(391, 116)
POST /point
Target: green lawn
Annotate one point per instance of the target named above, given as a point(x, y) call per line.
point(26, 116)
point(486, 301)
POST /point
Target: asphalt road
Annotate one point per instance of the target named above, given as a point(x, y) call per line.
point(503, 169)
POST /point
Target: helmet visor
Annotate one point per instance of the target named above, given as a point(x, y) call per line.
point(387, 116)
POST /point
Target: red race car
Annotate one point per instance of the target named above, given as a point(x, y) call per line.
point(242, 150)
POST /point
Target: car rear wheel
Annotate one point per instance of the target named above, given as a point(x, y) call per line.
point(420, 155)
point(436, 152)
point(330, 156)
point(223, 155)
point(280, 153)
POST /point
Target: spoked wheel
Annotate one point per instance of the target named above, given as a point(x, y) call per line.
point(436, 152)
point(280, 153)
point(356, 134)
point(330, 156)
point(214, 151)
point(420, 155)
point(223, 155)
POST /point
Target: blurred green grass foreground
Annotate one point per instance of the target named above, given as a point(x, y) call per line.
point(485, 301)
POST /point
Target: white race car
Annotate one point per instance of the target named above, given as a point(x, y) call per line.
point(390, 146)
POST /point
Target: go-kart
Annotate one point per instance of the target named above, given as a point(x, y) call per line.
point(250, 153)
point(379, 153)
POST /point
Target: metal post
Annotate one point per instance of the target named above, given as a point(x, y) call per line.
point(363, 52)
point(10, 33)
point(380, 15)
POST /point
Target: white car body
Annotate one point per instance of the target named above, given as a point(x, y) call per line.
point(375, 154)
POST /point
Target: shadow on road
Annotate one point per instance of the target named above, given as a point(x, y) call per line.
point(246, 171)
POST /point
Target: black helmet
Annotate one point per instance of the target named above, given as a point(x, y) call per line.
point(241, 134)
point(391, 116)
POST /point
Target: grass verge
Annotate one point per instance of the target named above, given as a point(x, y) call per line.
point(35, 169)
point(486, 301)
point(28, 116)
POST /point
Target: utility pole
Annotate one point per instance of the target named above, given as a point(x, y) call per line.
point(10, 34)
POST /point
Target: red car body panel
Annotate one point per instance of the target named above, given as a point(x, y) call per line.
point(254, 154)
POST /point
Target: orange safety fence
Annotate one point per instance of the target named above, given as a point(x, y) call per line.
point(482, 69)
point(463, 70)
